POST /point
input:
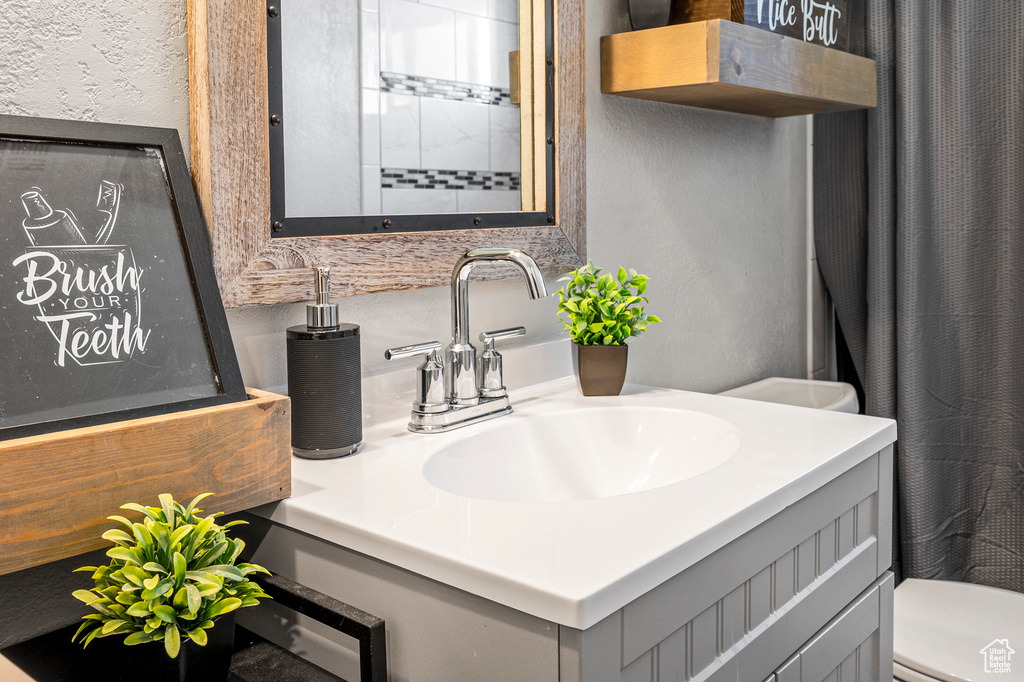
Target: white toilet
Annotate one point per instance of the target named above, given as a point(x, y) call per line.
point(943, 631)
point(957, 632)
point(824, 395)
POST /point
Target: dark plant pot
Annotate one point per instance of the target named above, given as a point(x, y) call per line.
point(599, 370)
point(112, 660)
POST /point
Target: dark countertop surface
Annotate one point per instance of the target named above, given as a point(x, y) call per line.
point(54, 658)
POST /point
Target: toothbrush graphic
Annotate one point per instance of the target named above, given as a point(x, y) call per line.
point(108, 202)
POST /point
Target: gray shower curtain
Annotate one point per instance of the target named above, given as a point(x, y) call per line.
point(919, 232)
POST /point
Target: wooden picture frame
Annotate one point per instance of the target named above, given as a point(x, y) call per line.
point(109, 306)
point(230, 123)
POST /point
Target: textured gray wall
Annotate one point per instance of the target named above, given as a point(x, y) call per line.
point(711, 205)
point(117, 62)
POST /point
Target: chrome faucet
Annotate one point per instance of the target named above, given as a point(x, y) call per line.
point(469, 396)
point(461, 355)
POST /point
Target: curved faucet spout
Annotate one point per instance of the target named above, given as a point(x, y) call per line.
point(460, 284)
point(461, 356)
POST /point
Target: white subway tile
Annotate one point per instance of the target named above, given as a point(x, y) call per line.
point(482, 48)
point(417, 39)
point(488, 201)
point(503, 10)
point(370, 133)
point(371, 190)
point(477, 7)
point(455, 135)
point(399, 201)
point(369, 50)
point(505, 148)
point(399, 131)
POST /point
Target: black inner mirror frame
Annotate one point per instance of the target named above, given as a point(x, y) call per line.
point(282, 225)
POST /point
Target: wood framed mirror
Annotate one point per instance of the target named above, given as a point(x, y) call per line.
point(230, 124)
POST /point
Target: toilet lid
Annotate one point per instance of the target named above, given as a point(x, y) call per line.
point(959, 632)
point(825, 395)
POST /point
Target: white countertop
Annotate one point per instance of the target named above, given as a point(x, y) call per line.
point(571, 562)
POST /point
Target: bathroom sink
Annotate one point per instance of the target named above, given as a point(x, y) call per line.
point(572, 507)
point(582, 454)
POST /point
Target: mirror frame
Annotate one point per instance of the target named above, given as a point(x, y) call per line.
point(229, 128)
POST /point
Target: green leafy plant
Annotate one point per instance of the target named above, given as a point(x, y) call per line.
point(169, 577)
point(601, 310)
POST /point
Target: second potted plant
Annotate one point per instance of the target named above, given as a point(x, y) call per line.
point(601, 313)
point(172, 586)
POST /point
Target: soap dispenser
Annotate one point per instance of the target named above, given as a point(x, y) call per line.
point(324, 379)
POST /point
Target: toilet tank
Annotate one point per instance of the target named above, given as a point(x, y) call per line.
point(823, 395)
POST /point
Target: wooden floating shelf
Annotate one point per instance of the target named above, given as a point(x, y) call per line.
point(732, 67)
point(58, 489)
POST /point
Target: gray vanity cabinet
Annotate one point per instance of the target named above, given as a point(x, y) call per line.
point(805, 596)
point(812, 580)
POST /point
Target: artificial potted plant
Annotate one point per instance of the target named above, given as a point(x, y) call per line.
point(601, 313)
point(172, 586)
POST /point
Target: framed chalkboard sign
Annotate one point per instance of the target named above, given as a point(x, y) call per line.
point(109, 307)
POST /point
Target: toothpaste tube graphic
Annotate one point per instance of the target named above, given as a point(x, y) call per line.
point(47, 227)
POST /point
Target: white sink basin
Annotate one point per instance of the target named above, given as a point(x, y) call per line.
point(439, 505)
point(583, 454)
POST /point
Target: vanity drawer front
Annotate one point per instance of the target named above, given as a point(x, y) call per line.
point(839, 535)
point(856, 645)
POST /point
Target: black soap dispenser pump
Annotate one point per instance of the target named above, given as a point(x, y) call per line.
point(324, 379)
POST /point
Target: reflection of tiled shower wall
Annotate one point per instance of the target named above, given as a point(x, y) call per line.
point(439, 133)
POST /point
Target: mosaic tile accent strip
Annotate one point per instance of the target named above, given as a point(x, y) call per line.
point(417, 178)
point(420, 86)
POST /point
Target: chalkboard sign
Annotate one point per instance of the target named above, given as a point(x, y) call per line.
point(822, 22)
point(109, 307)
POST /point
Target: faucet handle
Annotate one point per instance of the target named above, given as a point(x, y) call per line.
point(490, 337)
point(409, 351)
point(490, 379)
point(430, 396)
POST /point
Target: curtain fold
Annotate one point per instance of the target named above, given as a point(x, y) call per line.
point(919, 232)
